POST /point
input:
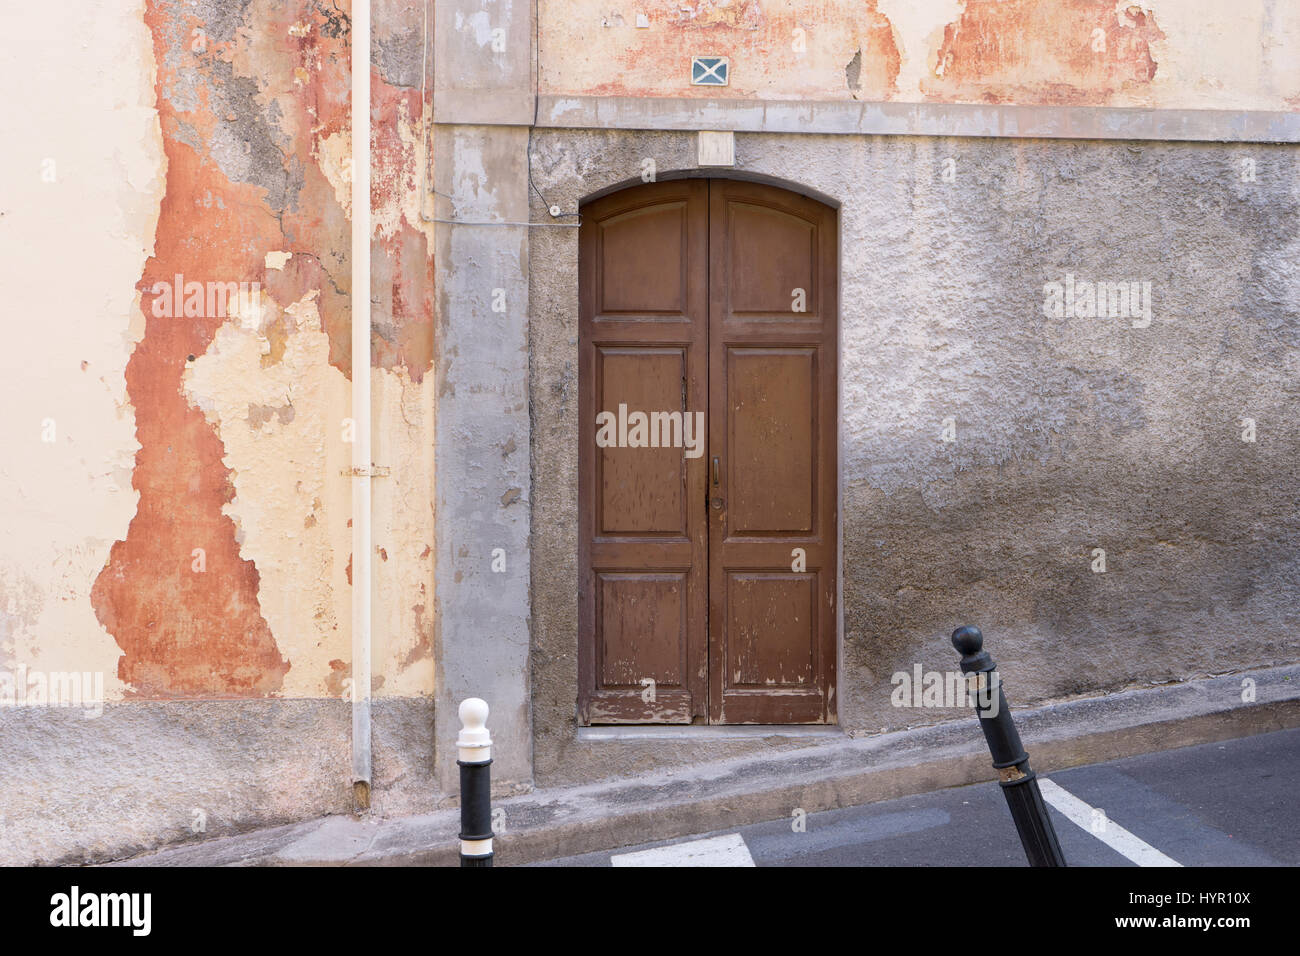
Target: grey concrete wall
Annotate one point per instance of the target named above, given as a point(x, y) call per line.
point(147, 774)
point(483, 61)
point(482, 441)
point(482, 103)
point(1072, 434)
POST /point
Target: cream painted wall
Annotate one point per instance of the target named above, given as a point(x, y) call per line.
point(80, 202)
point(1215, 54)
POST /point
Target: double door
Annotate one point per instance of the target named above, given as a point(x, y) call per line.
point(707, 456)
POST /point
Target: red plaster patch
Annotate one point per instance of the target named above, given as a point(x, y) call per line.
point(186, 632)
point(423, 647)
point(1028, 52)
point(340, 671)
point(400, 261)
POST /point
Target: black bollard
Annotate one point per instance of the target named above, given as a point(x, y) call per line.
point(474, 747)
point(1019, 783)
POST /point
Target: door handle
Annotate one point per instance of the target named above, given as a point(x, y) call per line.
point(715, 471)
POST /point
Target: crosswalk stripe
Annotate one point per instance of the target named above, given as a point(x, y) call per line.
point(729, 850)
point(1110, 833)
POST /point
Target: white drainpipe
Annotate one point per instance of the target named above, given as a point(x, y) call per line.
point(361, 463)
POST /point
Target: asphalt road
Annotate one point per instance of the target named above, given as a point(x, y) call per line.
point(1227, 804)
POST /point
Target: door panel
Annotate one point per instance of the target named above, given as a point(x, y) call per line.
point(642, 490)
point(771, 641)
point(642, 623)
point(758, 282)
point(646, 253)
point(716, 297)
point(773, 396)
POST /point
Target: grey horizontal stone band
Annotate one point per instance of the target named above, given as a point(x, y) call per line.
point(917, 119)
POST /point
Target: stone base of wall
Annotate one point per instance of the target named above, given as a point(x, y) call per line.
point(150, 774)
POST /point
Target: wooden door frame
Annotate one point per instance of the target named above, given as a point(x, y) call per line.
point(585, 648)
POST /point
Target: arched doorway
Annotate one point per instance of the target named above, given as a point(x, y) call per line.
point(707, 487)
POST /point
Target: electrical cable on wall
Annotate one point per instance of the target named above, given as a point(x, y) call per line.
point(426, 123)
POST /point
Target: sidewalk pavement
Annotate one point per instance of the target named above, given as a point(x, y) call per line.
point(843, 772)
point(1228, 803)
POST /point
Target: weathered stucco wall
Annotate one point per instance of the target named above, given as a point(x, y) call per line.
point(182, 509)
point(1071, 434)
point(1171, 54)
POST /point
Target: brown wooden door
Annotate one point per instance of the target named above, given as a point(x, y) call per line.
point(708, 569)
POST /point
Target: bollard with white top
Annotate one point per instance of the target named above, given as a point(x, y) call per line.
point(474, 749)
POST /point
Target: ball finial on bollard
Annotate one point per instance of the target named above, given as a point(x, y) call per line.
point(473, 720)
point(968, 640)
point(1019, 783)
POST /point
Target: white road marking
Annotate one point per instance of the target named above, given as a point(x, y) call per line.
point(1111, 833)
point(729, 850)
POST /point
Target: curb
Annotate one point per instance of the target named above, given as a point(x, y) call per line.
point(546, 824)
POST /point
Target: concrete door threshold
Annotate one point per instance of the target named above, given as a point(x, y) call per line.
point(842, 771)
point(693, 732)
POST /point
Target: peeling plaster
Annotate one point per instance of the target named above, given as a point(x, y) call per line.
point(282, 471)
point(240, 421)
point(1070, 52)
